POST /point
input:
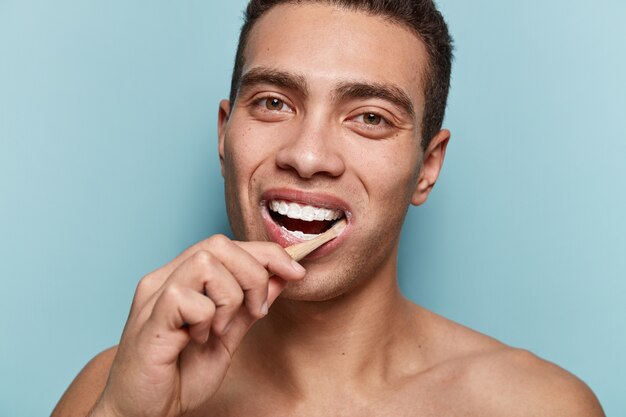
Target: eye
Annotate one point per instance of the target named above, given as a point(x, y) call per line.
point(371, 124)
point(274, 104)
point(372, 120)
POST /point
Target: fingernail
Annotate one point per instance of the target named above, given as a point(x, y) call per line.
point(297, 267)
point(265, 309)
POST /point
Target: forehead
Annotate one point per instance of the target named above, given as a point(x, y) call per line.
point(329, 45)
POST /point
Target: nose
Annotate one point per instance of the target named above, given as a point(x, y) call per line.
point(312, 150)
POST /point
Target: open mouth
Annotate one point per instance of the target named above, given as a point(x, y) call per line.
point(303, 221)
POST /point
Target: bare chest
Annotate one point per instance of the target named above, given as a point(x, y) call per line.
point(416, 400)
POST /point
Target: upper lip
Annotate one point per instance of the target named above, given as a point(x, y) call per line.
point(317, 199)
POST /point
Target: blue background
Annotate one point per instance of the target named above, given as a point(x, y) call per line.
point(108, 169)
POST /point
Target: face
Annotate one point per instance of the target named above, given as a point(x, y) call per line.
point(326, 124)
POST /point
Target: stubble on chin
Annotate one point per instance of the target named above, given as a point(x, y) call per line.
point(357, 266)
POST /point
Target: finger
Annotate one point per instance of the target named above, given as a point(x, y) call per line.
point(179, 314)
point(206, 274)
point(155, 280)
point(251, 264)
point(250, 274)
point(275, 259)
point(243, 320)
point(198, 326)
point(276, 286)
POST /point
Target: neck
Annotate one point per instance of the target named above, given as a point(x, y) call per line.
point(363, 335)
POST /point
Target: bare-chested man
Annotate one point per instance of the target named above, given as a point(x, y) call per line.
point(335, 111)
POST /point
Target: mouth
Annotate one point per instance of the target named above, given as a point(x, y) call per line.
point(291, 217)
point(303, 221)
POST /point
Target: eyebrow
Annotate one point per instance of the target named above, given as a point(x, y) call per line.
point(343, 91)
point(364, 90)
point(265, 75)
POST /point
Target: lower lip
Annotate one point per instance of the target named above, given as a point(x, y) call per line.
point(278, 235)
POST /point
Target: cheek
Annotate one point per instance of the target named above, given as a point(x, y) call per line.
point(391, 174)
point(245, 151)
point(238, 152)
point(237, 170)
point(248, 144)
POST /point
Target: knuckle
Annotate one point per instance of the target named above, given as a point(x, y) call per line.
point(171, 293)
point(218, 241)
point(146, 285)
point(204, 259)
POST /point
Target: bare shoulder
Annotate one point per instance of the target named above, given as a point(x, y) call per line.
point(82, 394)
point(516, 382)
point(490, 378)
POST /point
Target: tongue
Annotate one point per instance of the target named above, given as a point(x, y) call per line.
point(309, 228)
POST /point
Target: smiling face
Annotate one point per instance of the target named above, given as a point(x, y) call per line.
point(326, 125)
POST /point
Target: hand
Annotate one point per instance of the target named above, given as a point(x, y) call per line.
point(186, 321)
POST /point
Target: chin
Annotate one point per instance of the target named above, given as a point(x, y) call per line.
point(318, 286)
point(301, 291)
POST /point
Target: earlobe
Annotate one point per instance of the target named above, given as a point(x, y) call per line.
point(431, 167)
point(222, 121)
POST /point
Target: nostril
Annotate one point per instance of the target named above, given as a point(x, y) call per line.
point(312, 148)
point(309, 162)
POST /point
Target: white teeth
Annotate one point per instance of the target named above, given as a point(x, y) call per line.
point(299, 234)
point(308, 213)
point(294, 211)
point(304, 212)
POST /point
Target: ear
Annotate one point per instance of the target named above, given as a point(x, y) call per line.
point(222, 120)
point(431, 166)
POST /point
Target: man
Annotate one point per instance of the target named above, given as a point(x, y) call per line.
point(335, 112)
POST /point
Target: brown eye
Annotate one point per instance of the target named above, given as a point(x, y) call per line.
point(273, 103)
point(371, 119)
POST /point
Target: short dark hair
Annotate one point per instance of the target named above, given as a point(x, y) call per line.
point(421, 16)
